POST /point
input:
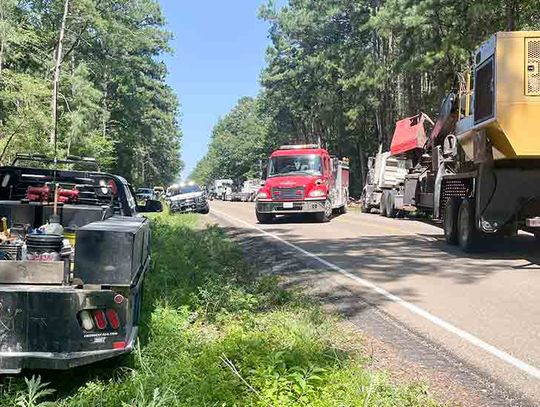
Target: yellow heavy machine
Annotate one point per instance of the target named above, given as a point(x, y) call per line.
point(489, 166)
point(479, 170)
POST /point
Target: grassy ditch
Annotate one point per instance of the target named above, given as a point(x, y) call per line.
point(218, 334)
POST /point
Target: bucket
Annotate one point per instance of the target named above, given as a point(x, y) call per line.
point(43, 247)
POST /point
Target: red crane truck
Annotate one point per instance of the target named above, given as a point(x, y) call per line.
point(303, 179)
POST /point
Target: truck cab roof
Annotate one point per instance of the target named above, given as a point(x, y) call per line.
point(299, 151)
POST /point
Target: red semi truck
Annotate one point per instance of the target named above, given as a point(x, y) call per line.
point(303, 179)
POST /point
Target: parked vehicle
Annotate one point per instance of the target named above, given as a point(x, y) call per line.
point(187, 197)
point(222, 188)
point(143, 194)
point(303, 179)
point(159, 192)
point(479, 170)
point(385, 172)
point(73, 256)
point(248, 192)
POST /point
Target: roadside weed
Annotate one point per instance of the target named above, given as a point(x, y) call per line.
point(216, 333)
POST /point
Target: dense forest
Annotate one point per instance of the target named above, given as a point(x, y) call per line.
point(343, 71)
point(98, 63)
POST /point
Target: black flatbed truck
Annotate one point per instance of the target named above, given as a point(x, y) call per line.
point(85, 307)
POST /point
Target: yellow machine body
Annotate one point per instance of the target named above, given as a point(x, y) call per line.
point(512, 121)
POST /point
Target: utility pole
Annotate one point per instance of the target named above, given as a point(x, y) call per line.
point(56, 78)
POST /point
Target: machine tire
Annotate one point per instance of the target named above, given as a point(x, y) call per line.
point(391, 211)
point(450, 220)
point(468, 235)
point(382, 204)
point(264, 217)
point(206, 210)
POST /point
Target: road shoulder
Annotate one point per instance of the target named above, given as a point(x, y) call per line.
point(392, 346)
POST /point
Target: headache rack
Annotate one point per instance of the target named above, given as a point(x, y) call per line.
point(71, 160)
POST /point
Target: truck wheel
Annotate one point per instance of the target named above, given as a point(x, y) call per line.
point(206, 210)
point(450, 220)
point(468, 235)
point(323, 217)
point(264, 217)
point(382, 205)
point(344, 209)
point(364, 207)
point(391, 211)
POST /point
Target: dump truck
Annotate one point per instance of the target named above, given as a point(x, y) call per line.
point(303, 179)
point(74, 253)
point(479, 169)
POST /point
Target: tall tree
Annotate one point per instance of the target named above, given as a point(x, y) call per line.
point(113, 102)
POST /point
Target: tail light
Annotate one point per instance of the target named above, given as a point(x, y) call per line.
point(86, 320)
point(99, 319)
point(112, 317)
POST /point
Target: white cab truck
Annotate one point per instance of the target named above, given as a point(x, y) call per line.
point(385, 173)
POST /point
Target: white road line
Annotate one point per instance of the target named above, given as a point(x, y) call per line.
point(500, 354)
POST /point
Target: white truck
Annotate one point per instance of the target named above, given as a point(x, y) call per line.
point(222, 188)
point(387, 171)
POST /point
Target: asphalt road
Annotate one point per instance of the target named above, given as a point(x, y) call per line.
point(483, 310)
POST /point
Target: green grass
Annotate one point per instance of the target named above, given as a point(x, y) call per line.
point(217, 334)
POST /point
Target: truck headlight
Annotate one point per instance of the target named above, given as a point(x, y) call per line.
point(262, 195)
point(317, 193)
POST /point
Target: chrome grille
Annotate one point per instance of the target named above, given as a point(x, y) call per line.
point(288, 193)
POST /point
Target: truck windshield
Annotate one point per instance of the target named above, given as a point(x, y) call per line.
point(295, 164)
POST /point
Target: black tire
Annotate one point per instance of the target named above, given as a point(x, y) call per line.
point(364, 207)
point(206, 210)
point(264, 217)
point(345, 208)
point(391, 211)
point(382, 205)
point(323, 217)
point(468, 234)
point(450, 220)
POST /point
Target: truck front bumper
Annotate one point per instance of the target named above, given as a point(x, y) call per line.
point(189, 206)
point(288, 207)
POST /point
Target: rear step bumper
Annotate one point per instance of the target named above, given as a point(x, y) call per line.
point(14, 362)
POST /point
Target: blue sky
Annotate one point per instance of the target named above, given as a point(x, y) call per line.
point(219, 50)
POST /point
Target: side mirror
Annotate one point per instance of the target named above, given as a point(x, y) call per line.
point(151, 205)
